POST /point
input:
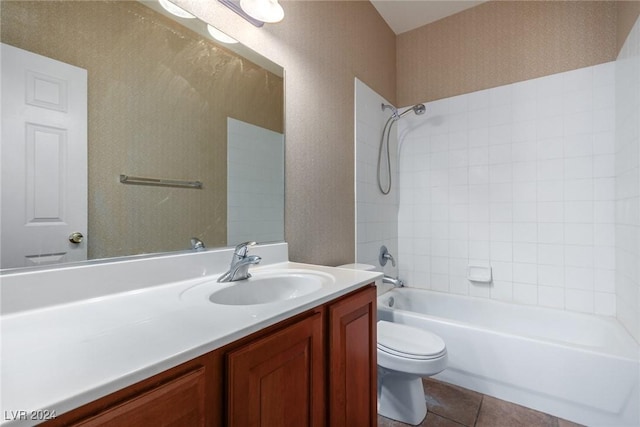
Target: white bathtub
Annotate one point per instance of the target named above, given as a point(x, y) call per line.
point(580, 367)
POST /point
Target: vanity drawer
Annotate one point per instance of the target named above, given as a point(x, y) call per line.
point(179, 402)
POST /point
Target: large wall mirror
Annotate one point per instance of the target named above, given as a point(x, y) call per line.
point(126, 131)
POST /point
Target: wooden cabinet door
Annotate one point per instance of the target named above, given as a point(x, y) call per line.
point(177, 403)
point(278, 380)
point(352, 360)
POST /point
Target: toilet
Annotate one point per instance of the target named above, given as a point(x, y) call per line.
point(405, 355)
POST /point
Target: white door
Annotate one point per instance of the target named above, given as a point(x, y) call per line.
point(43, 154)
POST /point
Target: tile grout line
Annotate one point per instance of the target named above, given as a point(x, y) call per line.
point(449, 419)
point(475, 423)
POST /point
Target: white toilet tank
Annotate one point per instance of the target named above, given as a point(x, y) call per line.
point(366, 267)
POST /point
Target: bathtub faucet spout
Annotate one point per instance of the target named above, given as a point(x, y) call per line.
point(397, 282)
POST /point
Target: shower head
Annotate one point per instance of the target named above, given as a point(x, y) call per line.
point(418, 109)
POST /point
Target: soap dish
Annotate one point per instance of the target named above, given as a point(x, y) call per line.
point(479, 273)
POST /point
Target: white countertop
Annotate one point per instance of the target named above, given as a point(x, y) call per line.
point(60, 357)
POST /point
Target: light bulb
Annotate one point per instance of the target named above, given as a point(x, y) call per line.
point(220, 36)
point(175, 10)
point(263, 10)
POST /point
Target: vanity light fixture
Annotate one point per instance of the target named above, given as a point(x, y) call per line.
point(235, 6)
point(175, 10)
point(220, 36)
point(264, 10)
point(256, 12)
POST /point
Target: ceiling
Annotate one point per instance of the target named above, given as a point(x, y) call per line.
point(405, 15)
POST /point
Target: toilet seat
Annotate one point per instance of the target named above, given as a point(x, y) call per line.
point(409, 342)
point(406, 354)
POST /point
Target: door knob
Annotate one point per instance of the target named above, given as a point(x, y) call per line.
point(76, 237)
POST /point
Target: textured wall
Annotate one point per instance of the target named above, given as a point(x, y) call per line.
point(502, 42)
point(322, 46)
point(159, 97)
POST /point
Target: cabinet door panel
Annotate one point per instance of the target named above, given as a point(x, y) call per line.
point(278, 380)
point(352, 360)
point(178, 403)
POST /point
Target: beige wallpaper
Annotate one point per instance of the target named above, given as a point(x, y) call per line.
point(322, 46)
point(159, 97)
point(501, 42)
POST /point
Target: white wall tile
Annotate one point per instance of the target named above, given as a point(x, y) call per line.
point(523, 176)
point(551, 254)
point(525, 252)
point(578, 189)
point(605, 304)
point(550, 212)
point(551, 233)
point(579, 300)
point(551, 297)
point(250, 216)
point(525, 293)
point(525, 273)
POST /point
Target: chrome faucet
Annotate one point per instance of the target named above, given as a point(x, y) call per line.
point(397, 282)
point(197, 244)
point(240, 262)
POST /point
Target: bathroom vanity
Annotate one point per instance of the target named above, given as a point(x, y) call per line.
point(312, 369)
point(164, 354)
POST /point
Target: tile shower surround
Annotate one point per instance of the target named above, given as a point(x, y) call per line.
point(627, 256)
point(520, 177)
point(377, 214)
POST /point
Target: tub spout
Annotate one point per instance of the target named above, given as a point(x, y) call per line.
point(397, 282)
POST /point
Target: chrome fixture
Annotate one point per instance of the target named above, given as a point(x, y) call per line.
point(240, 262)
point(268, 11)
point(385, 256)
point(197, 244)
point(257, 12)
point(397, 283)
point(418, 109)
point(127, 179)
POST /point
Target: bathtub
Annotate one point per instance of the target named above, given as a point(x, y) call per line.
point(583, 368)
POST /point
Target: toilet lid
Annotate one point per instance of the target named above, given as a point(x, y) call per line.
point(408, 341)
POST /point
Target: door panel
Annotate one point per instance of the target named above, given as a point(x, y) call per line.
point(44, 159)
point(352, 360)
point(278, 380)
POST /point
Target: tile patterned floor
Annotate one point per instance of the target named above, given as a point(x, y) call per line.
point(452, 406)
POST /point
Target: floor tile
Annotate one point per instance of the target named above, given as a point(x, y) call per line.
point(452, 402)
point(432, 420)
point(565, 423)
point(498, 413)
point(453, 406)
point(386, 422)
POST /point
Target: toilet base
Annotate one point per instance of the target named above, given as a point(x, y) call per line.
point(401, 397)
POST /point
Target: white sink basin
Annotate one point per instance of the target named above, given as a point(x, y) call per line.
point(262, 288)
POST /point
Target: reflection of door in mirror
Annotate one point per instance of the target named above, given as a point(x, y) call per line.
point(44, 159)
